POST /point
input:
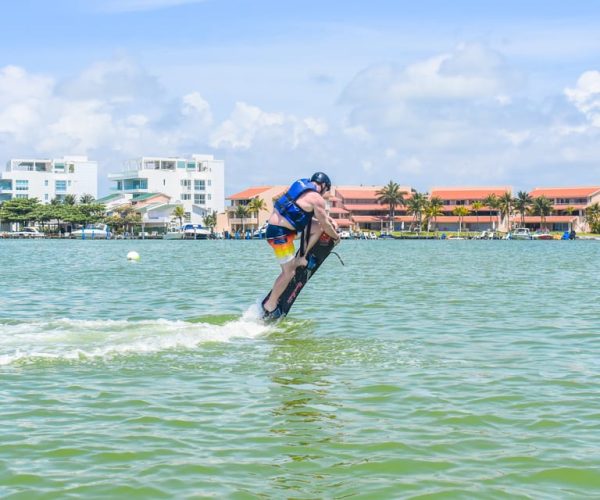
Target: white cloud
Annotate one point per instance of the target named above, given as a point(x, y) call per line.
point(248, 124)
point(586, 96)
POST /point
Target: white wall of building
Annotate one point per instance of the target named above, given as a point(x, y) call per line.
point(196, 183)
point(46, 179)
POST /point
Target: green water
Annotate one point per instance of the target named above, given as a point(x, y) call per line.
point(421, 369)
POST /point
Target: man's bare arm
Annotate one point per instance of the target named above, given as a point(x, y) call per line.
point(323, 218)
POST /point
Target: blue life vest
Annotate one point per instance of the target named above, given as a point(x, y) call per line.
point(289, 209)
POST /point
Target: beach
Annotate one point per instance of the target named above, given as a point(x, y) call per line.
point(464, 369)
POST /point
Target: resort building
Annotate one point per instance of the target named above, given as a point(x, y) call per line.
point(47, 179)
point(233, 219)
point(358, 208)
point(196, 183)
point(568, 208)
point(352, 207)
point(480, 216)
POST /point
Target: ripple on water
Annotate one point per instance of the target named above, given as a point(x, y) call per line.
point(452, 371)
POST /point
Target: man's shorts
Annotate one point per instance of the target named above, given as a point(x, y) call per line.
point(281, 240)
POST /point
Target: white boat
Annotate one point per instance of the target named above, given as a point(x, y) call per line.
point(520, 233)
point(542, 235)
point(188, 232)
point(27, 232)
point(92, 232)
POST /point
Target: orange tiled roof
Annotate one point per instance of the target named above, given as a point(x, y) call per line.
point(337, 210)
point(468, 193)
point(367, 206)
point(249, 193)
point(573, 192)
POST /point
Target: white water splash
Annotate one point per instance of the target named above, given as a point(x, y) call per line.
point(72, 339)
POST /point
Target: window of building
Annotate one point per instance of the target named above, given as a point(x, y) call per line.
point(186, 196)
point(60, 167)
point(46, 182)
point(69, 183)
point(71, 168)
point(180, 164)
point(199, 185)
point(46, 197)
point(23, 196)
point(186, 183)
point(21, 185)
point(199, 199)
point(209, 182)
point(60, 186)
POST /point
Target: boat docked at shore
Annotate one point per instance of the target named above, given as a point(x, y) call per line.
point(519, 233)
point(188, 232)
point(92, 232)
point(542, 235)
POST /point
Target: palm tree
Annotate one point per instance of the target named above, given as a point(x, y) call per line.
point(491, 201)
point(415, 206)
point(241, 211)
point(256, 205)
point(461, 211)
point(210, 221)
point(569, 211)
point(521, 203)
point(592, 216)
point(86, 199)
point(505, 204)
point(476, 206)
point(542, 206)
point(179, 212)
point(70, 199)
point(433, 210)
point(391, 195)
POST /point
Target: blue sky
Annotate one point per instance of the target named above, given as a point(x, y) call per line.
point(426, 93)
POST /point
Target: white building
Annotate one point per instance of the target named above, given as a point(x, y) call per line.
point(47, 179)
point(198, 183)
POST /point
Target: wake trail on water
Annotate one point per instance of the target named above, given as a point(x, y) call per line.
point(76, 339)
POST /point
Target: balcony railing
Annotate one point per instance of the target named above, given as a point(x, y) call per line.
point(247, 220)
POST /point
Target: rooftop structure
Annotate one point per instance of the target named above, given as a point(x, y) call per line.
point(47, 179)
point(196, 183)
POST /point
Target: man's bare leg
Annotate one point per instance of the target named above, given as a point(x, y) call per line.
point(287, 273)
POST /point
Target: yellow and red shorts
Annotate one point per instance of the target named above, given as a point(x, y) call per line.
point(281, 240)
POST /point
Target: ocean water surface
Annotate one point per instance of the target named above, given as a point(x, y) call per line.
point(420, 369)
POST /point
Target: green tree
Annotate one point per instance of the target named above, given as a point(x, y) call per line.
point(70, 199)
point(592, 216)
point(415, 206)
point(390, 195)
point(522, 202)
point(241, 212)
point(179, 213)
point(86, 199)
point(255, 206)
point(505, 205)
point(476, 206)
point(433, 210)
point(210, 220)
point(542, 206)
point(460, 211)
point(491, 201)
point(20, 210)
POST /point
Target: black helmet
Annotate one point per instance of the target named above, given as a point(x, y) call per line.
point(322, 178)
